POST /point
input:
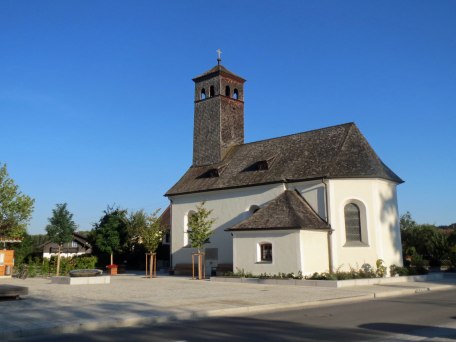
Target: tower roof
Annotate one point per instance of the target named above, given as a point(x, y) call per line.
point(216, 71)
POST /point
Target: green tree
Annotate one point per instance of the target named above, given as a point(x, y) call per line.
point(111, 232)
point(149, 231)
point(60, 228)
point(151, 234)
point(406, 221)
point(200, 231)
point(200, 225)
point(30, 247)
point(15, 208)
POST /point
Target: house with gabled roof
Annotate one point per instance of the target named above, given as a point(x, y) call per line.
point(312, 202)
point(79, 245)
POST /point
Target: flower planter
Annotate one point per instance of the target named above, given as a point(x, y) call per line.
point(111, 269)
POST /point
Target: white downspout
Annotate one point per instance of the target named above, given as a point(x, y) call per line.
point(328, 220)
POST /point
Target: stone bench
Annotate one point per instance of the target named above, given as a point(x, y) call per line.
point(12, 291)
point(81, 280)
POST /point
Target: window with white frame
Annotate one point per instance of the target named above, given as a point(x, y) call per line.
point(265, 252)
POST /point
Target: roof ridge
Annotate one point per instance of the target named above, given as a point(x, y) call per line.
point(334, 163)
point(293, 134)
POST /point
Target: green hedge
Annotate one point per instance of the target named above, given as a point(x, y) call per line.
point(48, 267)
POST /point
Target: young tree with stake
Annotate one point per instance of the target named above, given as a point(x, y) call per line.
point(150, 232)
point(200, 230)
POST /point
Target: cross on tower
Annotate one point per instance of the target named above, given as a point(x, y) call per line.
point(219, 58)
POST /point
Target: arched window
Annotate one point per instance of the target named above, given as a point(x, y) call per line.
point(212, 91)
point(227, 91)
point(352, 222)
point(265, 252)
point(235, 94)
point(186, 220)
point(203, 94)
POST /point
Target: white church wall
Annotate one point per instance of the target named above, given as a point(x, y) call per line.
point(229, 208)
point(314, 193)
point(379, 220)
point(286, 256)
point(314, 251)
point(389, 223)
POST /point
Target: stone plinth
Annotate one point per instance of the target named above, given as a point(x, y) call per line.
point(81, 280)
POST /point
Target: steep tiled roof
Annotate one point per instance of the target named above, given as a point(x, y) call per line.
point(333, 152)
point(287, 211)
point(217, 70)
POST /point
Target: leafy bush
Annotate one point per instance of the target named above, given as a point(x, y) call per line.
point(407, 271)
point(47, 267)
point(240, 273)
point(381, 269)
point(397, 270)
point(366, 271)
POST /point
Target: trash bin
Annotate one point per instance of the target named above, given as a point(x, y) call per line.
point(8, 270)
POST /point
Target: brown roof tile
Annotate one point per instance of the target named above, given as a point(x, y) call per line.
point(333, 152)
point(287, 211)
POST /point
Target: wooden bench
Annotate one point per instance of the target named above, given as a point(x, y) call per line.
point(223, 268)
point(184, 269)
point(12, 291)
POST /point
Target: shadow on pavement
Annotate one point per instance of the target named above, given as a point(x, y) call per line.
point(411, 329)
point(220, 329)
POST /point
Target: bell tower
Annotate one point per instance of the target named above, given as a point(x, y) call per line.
point(219, 114)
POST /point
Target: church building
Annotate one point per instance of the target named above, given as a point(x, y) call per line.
point(312, 202)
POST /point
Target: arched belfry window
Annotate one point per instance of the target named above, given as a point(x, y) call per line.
point(203, 94)
point(352, 222)
point(235, 94)
point(212, 91)
point(227, 91)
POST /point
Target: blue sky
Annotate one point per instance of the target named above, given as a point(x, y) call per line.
point(96, 97)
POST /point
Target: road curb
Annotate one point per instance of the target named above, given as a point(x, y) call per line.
point(412, 291)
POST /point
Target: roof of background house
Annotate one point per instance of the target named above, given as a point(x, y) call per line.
point(165, 218)
point(287, 211)
point(333, 152)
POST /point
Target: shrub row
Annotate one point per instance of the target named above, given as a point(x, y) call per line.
point(48, 267)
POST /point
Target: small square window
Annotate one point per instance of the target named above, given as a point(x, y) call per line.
point(266, 252)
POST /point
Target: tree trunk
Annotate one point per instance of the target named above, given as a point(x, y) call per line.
point(112, 258)
point(200, 266)
point(58, 262)
point(151, 268)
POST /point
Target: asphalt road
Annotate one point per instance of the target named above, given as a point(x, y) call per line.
point(427, 316)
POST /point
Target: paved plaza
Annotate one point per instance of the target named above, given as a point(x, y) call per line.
point(132, 299)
